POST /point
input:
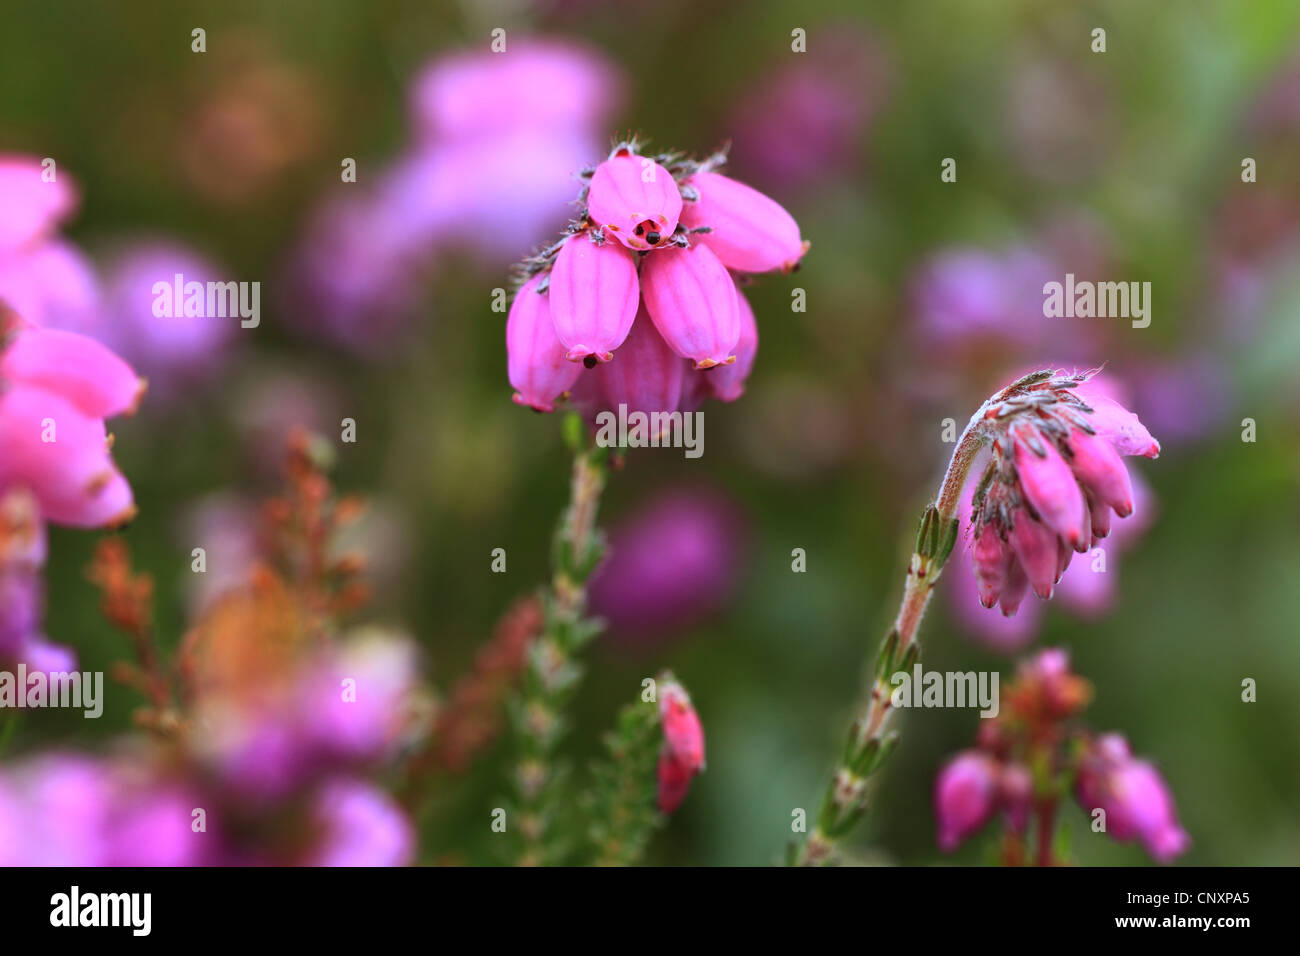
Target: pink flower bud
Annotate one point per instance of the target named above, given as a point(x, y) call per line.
point(749, 231)
point(646, 375)
point(593, 294)
point(683, 733)
point(635, 200)
point(1099, 469)
point(727, 382)
point(1100, 513)
point(536, 359)
point(992, 559)
point(1035, 547)
point(1016, 794)
point(965, 796)
point(673, 784)
point(1014, 591)
point(692, 300)
point(1050, 487)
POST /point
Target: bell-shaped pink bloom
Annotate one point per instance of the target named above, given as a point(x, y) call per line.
point(1014, 591)
point(692, 299)
point(1036, 552)
point(1016, 795)
point(594, 294)
point(965, 796)
point(31, 206)
point(536, 359)
point(79, 368)
point(1051, 488)
point(1100, 470)
point(749, 232)
point(1136, 799)
point(635, 200)
point(646, 375)
point(992, 559)
point(1117, 424)
point(683, 733)
point(727, 382)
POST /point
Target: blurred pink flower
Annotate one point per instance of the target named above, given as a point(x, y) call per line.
point(677, 559)
point(1136, 799)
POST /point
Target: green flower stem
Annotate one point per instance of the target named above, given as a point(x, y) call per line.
point(553, 670)
point(870, 740)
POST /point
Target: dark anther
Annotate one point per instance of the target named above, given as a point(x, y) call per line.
point(589, 361)
point(640, 230)
point(653, 238)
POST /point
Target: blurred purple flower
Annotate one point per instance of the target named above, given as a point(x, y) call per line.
point(676, 560)
point(175, 353)
point(803, 122)
point(360, 826)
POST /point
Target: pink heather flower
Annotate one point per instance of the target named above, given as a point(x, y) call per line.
point(678, 283)
point(965, 797)
point(682, 756)
point(647, 376)
point(635, 200)
point(59, 388)
point(727, 382)
point(1136, 799)
point(692, 300)
point(537, 361)
point(1053, 482)
point(593, 291)
point(674, 561)
point(683, 733)
point(748, 231)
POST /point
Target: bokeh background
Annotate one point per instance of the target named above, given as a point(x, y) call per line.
point(922, 297)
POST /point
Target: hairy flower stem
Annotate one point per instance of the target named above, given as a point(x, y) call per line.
point(870, 739)
point(553, 671)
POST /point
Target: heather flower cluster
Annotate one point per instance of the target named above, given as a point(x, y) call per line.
point(1054, 481)
point(643, 291)
point(1033, 755)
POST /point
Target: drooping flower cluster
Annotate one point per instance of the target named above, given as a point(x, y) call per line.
point(1053, 484)
point(643, 290)
point(1029, 757)
point(682, 754)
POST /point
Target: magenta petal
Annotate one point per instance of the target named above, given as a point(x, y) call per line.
point(1035, 547)
point(965, 796)
point(635, 200)
point(692, 299)
point(1100, 469)
point(73, 477)
point(992, 559)
point(593, 292)
point(536, 359)
point(727, 382)
point(748, 231)
point(1117, 424)
point(645, 375)
point(1051, 488)
point(79, 368)
point(32, 207)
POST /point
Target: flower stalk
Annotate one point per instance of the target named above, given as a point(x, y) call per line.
point(553, 670)
point(870, 739)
